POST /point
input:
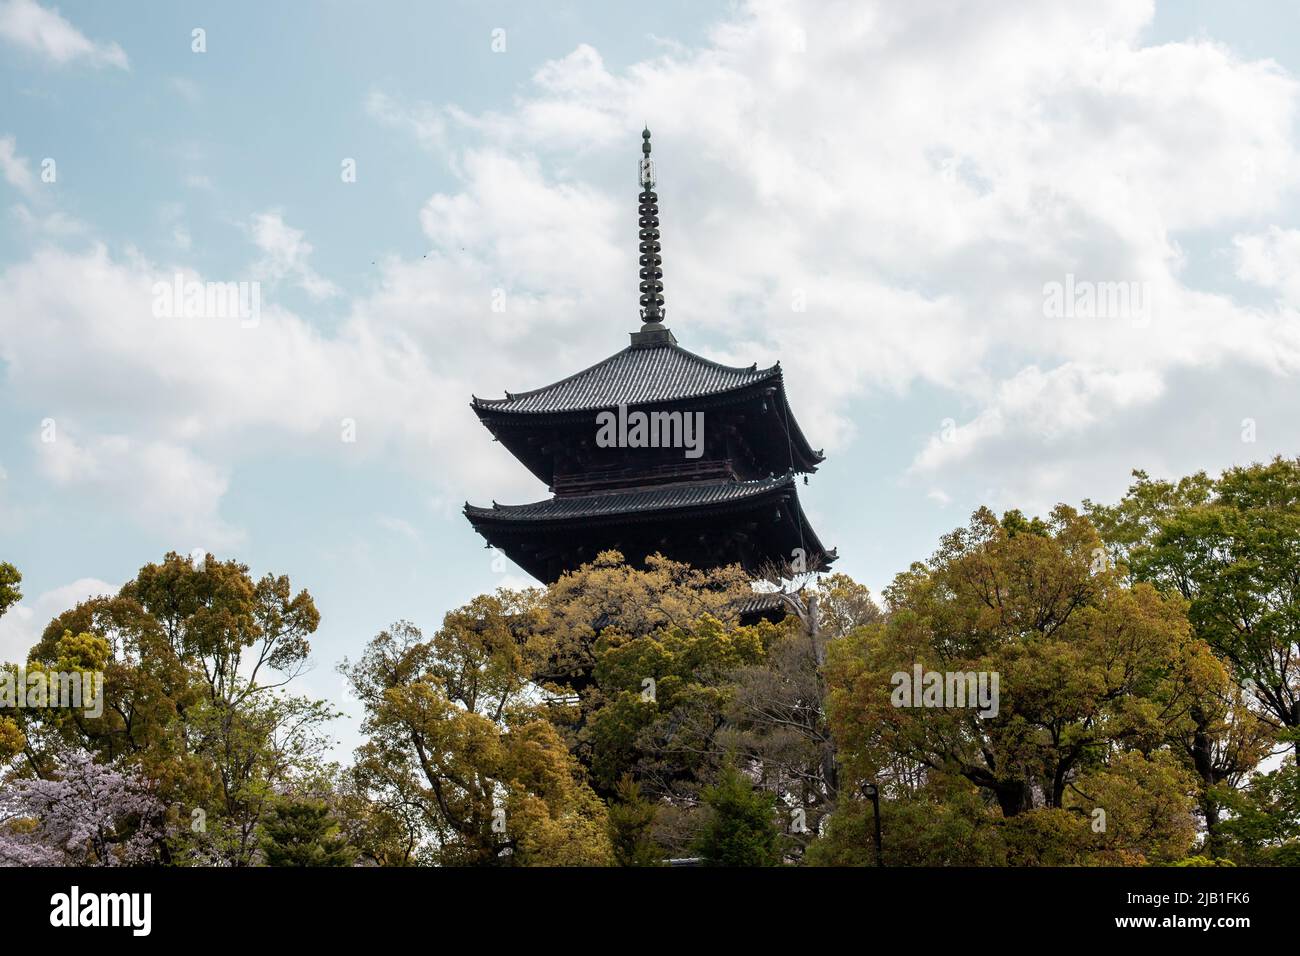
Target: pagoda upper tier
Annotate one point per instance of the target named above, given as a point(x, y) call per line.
point(655, 450)
point(550, 429)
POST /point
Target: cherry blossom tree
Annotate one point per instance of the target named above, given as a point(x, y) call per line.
point(89, 814)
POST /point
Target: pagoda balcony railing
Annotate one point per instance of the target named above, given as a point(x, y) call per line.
point(633, 476)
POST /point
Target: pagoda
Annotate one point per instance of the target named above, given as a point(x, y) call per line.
point(655, 450)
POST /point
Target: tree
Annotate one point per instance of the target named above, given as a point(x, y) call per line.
point(740, 827)
point(777, 722)
point(1232, 551)
point(195, 657)
point(636, 664)
point(576, 609)
point(12, 740)
point(844, 605)
point(1089, 670)
point(943, 821)
point(659, 701)
point(86, 814)
point(456, 725)
point(385, 831)
point(301, 832)
point(1230, 547)
point(777, 712)
point(148, 688)
point(10, 580)
point(1147, 799)
point(1264, 828)
point(631, 826)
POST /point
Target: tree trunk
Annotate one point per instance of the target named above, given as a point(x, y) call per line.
point(1014, 797)
point(830, 773)
point(1203, 761)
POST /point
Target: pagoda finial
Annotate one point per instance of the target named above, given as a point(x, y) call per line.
point(652, 286)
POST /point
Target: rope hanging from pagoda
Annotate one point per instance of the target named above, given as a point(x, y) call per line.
point(652, 286)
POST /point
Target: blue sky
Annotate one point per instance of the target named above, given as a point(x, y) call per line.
point(917, 174)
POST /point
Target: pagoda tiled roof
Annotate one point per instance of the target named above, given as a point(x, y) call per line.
point(637, 375)
point(634, 501)
point(759, 602)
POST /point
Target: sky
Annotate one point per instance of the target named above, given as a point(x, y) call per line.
point(1006, 252)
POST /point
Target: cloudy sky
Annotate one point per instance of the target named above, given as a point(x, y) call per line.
point(927, 211)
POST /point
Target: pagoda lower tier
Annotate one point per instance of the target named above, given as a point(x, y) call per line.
point(705, 524)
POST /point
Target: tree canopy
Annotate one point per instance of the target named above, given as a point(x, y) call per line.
point(1113, 685)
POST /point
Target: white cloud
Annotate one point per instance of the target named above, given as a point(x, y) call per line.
point(581, 108)
point(913, 181)
point(1271, 260)
point(54, 224)
point(426, 123)
point(561, 240)
point(14, 167)
point(10, 517)
point(163, 486)
point(186, 88)
point(874, 194)
point(153, 414)
point(47, 33)
point(1042, 408)
point(285, 254)
point(991, 152)
point(399, 526)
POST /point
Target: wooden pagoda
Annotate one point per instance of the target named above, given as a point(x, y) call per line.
point(730, 497)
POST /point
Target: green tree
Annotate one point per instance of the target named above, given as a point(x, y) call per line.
point(944, 821)
point(777, 709)
point(574, 611)
point(385, 831)
point(12, 740)
point(456, 726)
point(844, 605)
point(739, 824)
point(195, 656)
point(1230, 547)
point(658, 705)
point(301, 832)
point(1089, 670)
point(631, 826)
point(1265, 823)
point(1231, 550)
point(10, 579)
